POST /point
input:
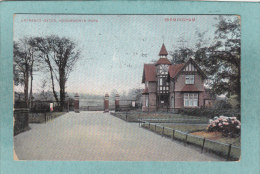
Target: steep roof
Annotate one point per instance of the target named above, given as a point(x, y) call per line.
point(149, 73)
point(163, 61)
point(177, 70)
point(174, 69)
point(163, 50)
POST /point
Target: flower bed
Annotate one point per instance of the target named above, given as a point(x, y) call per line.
point(229, 126)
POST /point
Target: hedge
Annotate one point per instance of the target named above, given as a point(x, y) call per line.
point(211, 113)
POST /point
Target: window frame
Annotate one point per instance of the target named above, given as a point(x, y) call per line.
point(191, 99)
point(189, 79)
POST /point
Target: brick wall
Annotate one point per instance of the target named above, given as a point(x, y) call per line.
point(201, 99)
point(151, 87)
point(180, 82)
point(178, 100)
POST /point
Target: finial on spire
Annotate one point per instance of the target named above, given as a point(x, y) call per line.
point(163, 39)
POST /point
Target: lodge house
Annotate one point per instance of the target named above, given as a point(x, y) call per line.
point(172, 86)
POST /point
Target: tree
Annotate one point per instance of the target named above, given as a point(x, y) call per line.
point(221, 60)
point(60, 56)
point(181, 55)
point(24, 58)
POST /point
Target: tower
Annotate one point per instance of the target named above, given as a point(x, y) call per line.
point(162, 67)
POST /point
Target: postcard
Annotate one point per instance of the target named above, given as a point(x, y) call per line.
point(129, 89)
point(176, 75)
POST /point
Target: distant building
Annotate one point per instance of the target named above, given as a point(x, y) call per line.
point(172, 86)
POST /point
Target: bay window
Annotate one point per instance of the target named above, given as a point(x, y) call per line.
point(191, 99)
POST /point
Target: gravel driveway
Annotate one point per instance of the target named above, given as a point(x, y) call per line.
point(98, 136)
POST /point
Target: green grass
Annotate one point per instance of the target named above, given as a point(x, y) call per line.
point(177, 118)
point(187, 128)
point(214, 146)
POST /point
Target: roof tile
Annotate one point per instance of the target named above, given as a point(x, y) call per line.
point(174, 69)
point(150, 72)
point(163, 51)
point(163, 61)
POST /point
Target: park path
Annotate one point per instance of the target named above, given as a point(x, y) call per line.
point(100, 136)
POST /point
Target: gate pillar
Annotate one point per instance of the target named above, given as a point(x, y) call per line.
point(106, 103)
point(76, 103)
point(117, 103)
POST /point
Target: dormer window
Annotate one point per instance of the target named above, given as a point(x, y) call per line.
point(189, 79)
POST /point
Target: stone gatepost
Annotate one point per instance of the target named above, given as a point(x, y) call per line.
point(117, 103)
point(106, 103)
point(76, 103)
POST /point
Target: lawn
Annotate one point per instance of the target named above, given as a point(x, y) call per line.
point(217, 136)
point(194, 134)
point(187, 128)
point(165, 117)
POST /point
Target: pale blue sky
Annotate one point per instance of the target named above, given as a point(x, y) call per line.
point(115, 47)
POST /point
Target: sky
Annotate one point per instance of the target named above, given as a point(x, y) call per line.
point(113, 48)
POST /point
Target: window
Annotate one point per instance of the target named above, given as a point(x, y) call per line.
point(189, 79)
point(146, 101)
point(190, 99)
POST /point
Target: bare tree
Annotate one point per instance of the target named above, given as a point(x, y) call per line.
point(60, 56)
point(23, 65)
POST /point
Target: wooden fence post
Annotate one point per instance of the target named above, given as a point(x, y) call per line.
point(203, 145)
point(186, 139)
point(163, 131)
point(229, 150)
point(173, 132)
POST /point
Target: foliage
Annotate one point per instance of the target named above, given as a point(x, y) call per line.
point(181, 55)
point(229, 126)
point(222, 104)
point(219, 58)
point(209, 112)
point(24, 56)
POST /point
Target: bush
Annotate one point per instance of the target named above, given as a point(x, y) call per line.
point(229, 126)
point(222, 104)
point(210, 112)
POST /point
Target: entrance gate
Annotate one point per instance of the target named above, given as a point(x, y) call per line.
point(106, 104)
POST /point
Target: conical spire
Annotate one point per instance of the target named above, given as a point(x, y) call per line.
point(163, 51)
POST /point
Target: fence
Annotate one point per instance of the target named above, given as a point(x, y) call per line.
point(230, 151)
point(21, 116)
point(42, 116)
point(39, 106)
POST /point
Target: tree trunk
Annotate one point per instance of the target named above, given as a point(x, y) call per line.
point(26, 81)
point(52, 79)
point(62, 88)
point(31, 74)
point(53, 86)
